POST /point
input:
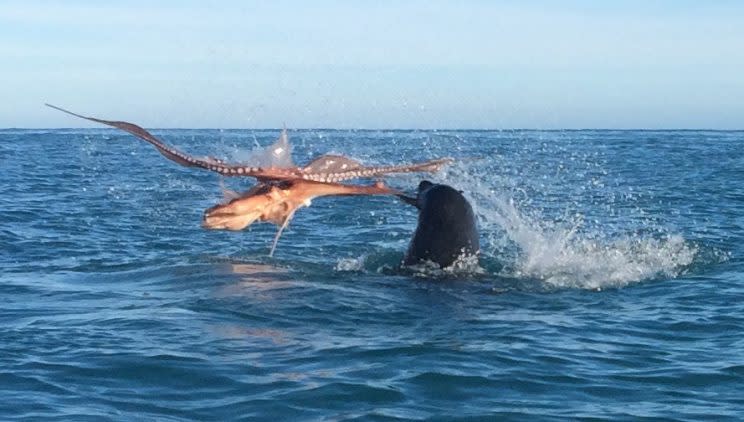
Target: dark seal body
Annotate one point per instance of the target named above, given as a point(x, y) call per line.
point(446, 226)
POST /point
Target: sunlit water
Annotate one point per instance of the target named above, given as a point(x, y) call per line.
point(610, 284)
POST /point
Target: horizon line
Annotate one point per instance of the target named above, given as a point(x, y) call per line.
point(401, 129)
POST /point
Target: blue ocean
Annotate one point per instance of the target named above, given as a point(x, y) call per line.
point(610, 284)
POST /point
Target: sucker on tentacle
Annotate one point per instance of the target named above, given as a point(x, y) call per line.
point(367, 172)
point(281, 191)
point(327, 168)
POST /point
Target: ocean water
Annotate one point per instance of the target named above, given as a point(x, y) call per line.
point(610, 286)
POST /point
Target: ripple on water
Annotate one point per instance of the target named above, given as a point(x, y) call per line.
point(607, 287)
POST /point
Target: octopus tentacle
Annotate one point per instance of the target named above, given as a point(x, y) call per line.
point(327, 168)
point(277, 202)
point(169, 152)
point(374, 171)
point(210, 163)
point(329, 163)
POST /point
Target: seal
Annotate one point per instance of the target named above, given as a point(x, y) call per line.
point(446, 227)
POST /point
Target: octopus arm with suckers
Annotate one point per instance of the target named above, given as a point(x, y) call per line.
point(326, 168)
point(283, 188)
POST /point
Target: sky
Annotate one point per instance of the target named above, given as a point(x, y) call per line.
point(374, 64)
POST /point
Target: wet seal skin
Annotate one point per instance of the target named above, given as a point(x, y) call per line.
point(446, 228)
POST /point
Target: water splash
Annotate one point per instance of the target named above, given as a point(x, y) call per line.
point(390, 263)
point(576, 262)
point(464, 266)
point(278, 154)
point(566, 253)
point(351, 264)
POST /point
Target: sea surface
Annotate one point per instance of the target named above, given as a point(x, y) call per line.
point(610, 284)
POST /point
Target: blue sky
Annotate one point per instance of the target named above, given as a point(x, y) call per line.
point(375, 64)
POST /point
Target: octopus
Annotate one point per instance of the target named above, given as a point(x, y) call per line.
point(282, 188)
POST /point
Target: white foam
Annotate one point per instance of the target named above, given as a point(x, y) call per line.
point(351, 264)
point(567, 253)
point(464, 266)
